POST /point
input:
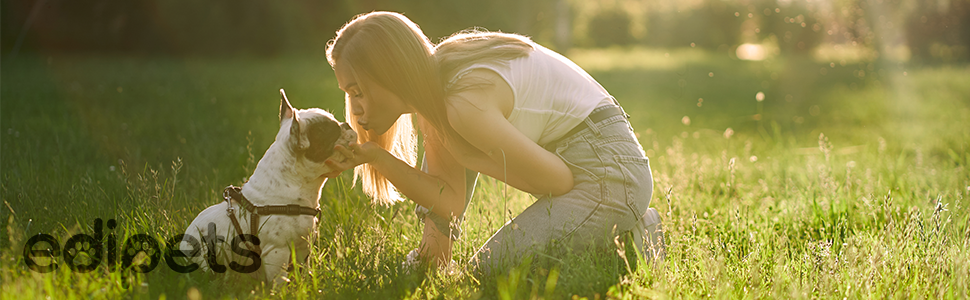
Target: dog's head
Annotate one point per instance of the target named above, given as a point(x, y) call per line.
point(311, 134)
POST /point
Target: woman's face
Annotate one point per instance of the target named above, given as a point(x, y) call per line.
point(375, 107)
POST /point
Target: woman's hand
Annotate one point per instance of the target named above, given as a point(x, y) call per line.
point(354, 155)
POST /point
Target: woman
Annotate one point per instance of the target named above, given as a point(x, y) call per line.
point(497, 104)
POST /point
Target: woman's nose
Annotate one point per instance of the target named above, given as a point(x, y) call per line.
point(356, 107)
point(357, 110)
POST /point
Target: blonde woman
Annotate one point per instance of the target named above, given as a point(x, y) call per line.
point(497, 104)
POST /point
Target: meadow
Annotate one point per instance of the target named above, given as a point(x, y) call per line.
point(793, 177)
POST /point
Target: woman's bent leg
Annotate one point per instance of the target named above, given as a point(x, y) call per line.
point(612, 191)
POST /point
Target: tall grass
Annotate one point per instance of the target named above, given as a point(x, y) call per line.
point(848, 182)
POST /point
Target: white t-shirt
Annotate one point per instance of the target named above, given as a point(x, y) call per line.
point(551, 94)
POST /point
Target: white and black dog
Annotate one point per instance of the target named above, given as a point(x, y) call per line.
point(255, 227)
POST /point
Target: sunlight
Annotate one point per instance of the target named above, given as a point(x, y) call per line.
point(755, 52)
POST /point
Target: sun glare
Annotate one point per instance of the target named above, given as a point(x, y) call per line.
point(754, 52)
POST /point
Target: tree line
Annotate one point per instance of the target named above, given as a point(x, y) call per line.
point(930, 29)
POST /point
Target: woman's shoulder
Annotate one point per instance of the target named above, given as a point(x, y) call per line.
point(480, 75)
point(485, 91)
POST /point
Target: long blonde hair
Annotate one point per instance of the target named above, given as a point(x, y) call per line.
point(392, 50)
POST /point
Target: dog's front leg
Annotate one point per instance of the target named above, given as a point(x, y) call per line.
point(275, 261)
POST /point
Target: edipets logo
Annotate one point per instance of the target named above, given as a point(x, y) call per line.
point(97, 247)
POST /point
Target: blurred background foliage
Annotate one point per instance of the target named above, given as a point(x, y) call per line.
point(909, 30)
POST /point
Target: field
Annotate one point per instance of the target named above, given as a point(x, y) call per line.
point(786, 178)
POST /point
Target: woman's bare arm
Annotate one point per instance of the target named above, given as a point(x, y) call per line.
point(441, 189)
point(500, 150)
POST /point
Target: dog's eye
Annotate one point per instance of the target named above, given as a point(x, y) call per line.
point(322, 136)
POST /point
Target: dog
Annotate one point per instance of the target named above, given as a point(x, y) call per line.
point(254, 228)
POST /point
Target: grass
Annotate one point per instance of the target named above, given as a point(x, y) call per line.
point(848, 180)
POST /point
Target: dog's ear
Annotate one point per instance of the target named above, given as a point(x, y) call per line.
point(297, 137)
point(286, 110)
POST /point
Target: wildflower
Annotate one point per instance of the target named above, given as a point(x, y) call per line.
point(940, 206)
